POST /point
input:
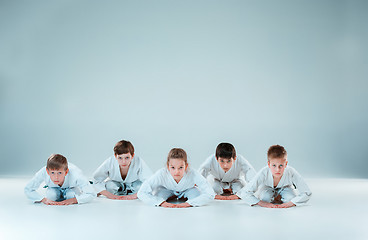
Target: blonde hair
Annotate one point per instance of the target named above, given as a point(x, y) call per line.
point(56, 162)
point(177, 153)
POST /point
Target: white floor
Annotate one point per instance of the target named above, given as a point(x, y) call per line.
point(338, 210)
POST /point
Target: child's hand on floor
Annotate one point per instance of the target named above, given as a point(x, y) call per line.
point(128, 197)
point(69, 201)
point(115, 197)
point(219, 197)
point(118, 197)
point(171, 205)
point(183, 205)
point(49, 202)
point(230, 197)
point(167, 205)
point(267, 204)
point(286, 205)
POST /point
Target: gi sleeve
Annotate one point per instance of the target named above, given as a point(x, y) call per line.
point(87, 192)
point(145, 193)
point(206, 192)
point(247, 170)
point(100, 175)
point(144, 172)
point(34, 184)
point(205, 168)
point(303, 189)
point(248, 192)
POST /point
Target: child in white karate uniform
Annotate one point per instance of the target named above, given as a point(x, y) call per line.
point(279, 185)
point(65, 183)
point(227, 172)
point(178, 181)
point(120, 176)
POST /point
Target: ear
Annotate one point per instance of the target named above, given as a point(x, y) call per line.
point(47, 170)
point(286, 163)
point(268, 163)
point(133, 155)
point(67, 170)
point(186, 166)
point(234, 158)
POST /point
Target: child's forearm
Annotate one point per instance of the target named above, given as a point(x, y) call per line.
point(129, 197)
point(69, 201)
point(166, 204)
point(184, 205)
point(266, 204)
point(230, 197)
point(286, 205)
point(219, 197)
point(108, 194)
point(132, 196)
point(172, 205)
point(48, 202)
point(233, 197)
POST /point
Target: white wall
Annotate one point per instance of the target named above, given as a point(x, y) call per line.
point(78, 76)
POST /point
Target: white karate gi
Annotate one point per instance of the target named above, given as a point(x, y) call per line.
point(162, 185)
point(240, 171)
point(75, 185)
point(263, 182)
point(108, 176)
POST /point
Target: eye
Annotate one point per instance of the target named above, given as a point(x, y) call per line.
point(281, 165)
point(273, 165)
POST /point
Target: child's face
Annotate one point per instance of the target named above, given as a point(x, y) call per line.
point(57, 175)
point(177, 168)
point(124, 159)
point(277, 166)
point(225, 163)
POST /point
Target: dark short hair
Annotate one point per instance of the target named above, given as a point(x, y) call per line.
point(276, 151)
point(56, 162)
point(123, 147)
point(225, 150)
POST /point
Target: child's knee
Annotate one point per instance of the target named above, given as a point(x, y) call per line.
point(135, 186)
point(266, 195)
point(69, 194)
point(192, 193)
point(53, 194)
point(236, 186)
point(113, 186)
point(287, 194)
point(163, 193)
point(217, 186)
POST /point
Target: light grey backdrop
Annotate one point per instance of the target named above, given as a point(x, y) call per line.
point(78, 76)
